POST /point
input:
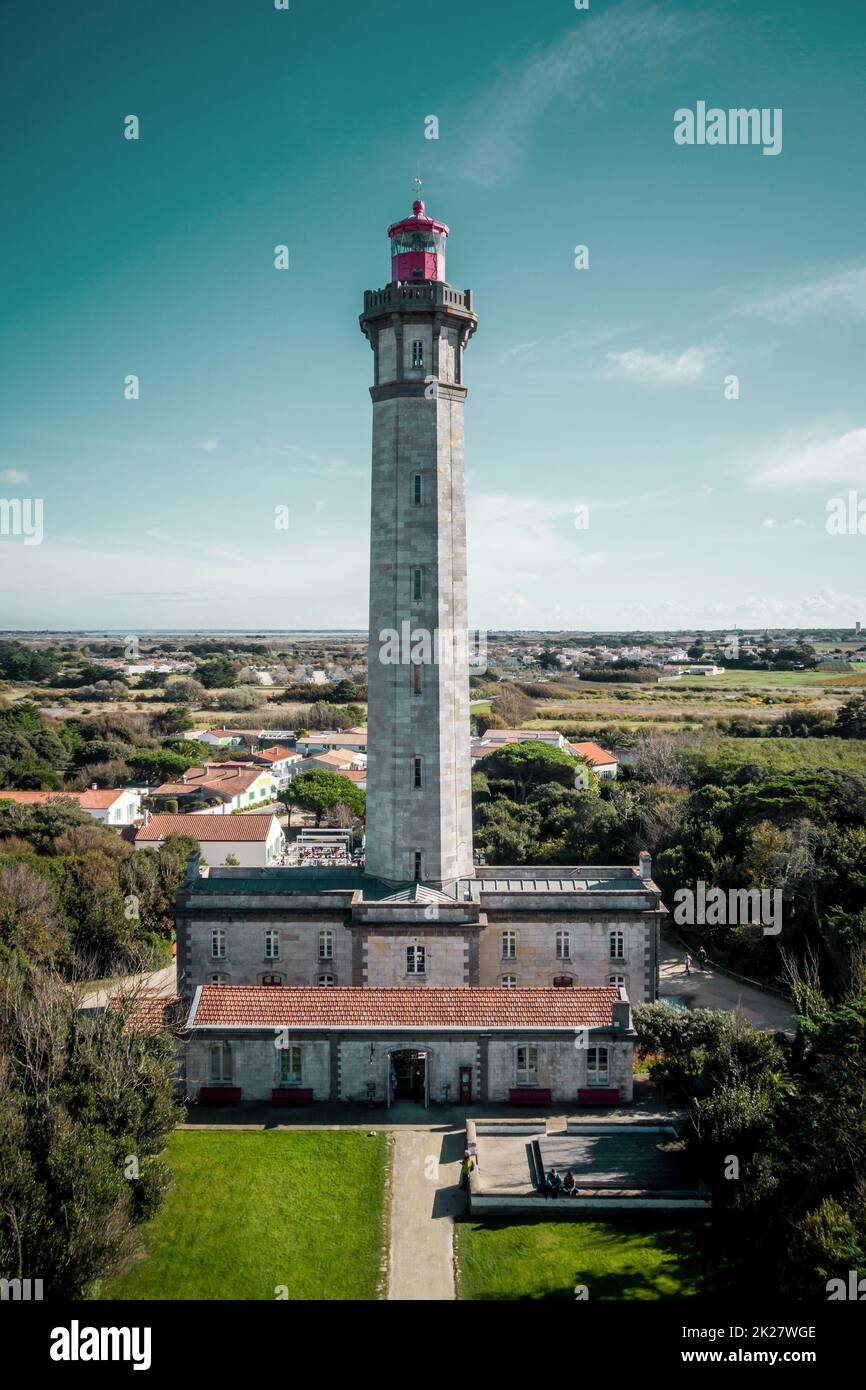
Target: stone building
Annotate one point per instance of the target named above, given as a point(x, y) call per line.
point(347, 1044)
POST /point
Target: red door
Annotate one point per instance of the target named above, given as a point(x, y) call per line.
point(465, 1085)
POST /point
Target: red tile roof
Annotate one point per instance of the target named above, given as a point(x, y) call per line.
point(311, 1006)
point(99, 800)
point(150, 1014)
point(249, 826)
point(593, 753)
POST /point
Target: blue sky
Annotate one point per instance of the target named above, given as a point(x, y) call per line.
point(602, 387)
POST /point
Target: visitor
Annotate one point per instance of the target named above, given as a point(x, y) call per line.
point(702, 958)
point(467, 1167)
point(553, 1183)
point(568, 1184)
point(687, 961)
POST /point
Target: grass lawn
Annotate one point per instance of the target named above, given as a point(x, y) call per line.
point(635, 1257)
point(251, 1211)
point(799, 754)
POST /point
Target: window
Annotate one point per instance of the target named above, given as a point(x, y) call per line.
point(219, 979)
point(597, 1067)
point(417, 678)
point(417, 353)
point(417, 579)
point(527, 1066)
point(617, 945)
point(272, 945)
point(508, 981)
point(509, 945)
point(326, 945)
point(616, 979)
point(563, 982)
point(272, 979)
point(416, 774)
point(290, 1065)
point(218, 944)
point(416, 960)
point(563, 945)
point(326, 979)
point(417, 491)
point(417, 866)
point(221, 1062)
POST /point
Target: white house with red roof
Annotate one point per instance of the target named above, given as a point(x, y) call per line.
point(254, 840)
point(603, 763)
point(109, 805)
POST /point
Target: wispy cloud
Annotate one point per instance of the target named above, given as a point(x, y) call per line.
point(14, 475)
point(839, 459)
point(663, 368)
point(580, 67)
point(207, 444)
point(838, 291)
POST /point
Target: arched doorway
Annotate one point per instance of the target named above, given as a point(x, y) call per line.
point(408, 1076)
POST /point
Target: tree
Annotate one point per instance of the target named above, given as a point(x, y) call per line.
point(851, 718)
point(320, 791)
point(174, 720)
point(244, 697)
point(218, 672)
point(524, 765)
point(85, 1110)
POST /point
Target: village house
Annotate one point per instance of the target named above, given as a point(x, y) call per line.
point(254, 840)
point(234, 785)
point(111, 806)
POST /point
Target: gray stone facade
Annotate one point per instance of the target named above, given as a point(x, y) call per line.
point(514, 928)
point(419, 823)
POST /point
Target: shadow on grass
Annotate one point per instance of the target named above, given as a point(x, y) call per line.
point(698, 1262)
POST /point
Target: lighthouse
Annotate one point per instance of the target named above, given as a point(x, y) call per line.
point(419, 816)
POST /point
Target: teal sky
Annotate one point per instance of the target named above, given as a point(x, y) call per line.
point(602, 387)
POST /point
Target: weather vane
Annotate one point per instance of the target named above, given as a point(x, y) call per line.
point(417, 183)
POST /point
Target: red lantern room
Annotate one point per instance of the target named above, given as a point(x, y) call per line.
point(418, 247)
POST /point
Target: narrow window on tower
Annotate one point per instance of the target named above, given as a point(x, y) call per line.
point(417, 865)
point(417, 677)
point(417, 491)
point(417, 772)
point(416, 586)
point(418, 353)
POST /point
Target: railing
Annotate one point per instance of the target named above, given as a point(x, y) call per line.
point(401, 292)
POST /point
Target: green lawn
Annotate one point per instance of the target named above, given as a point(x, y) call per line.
point(635, 1257)
point(252, 1211)
point(799, 754)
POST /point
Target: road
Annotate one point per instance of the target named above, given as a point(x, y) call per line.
point(710, 989)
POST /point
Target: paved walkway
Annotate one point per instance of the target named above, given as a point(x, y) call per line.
point(154, 982)
point(425, 1198)
point(710, 989)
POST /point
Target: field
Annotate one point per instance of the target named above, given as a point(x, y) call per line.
point(251, 1213)
point(630, 1258)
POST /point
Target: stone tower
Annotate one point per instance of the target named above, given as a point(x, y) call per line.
point(419, 819)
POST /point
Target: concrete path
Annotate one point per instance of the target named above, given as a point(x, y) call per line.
point(710, 989)
point(425, 1197)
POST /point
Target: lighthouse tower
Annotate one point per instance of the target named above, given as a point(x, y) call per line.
point(419, 819)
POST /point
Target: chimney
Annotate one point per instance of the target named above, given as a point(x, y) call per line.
point(620, 1013)
point(147, 818)
point(645, 864)
point(93, 786)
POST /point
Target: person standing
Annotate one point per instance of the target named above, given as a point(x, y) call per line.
point(687, 962)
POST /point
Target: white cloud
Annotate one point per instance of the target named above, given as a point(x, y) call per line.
point(839, 459)
point(842, 290)
point(580, 68)
point(14, 475)
point(207, 444)
point(320, 506)
point(663, 368)
point(769, 524)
